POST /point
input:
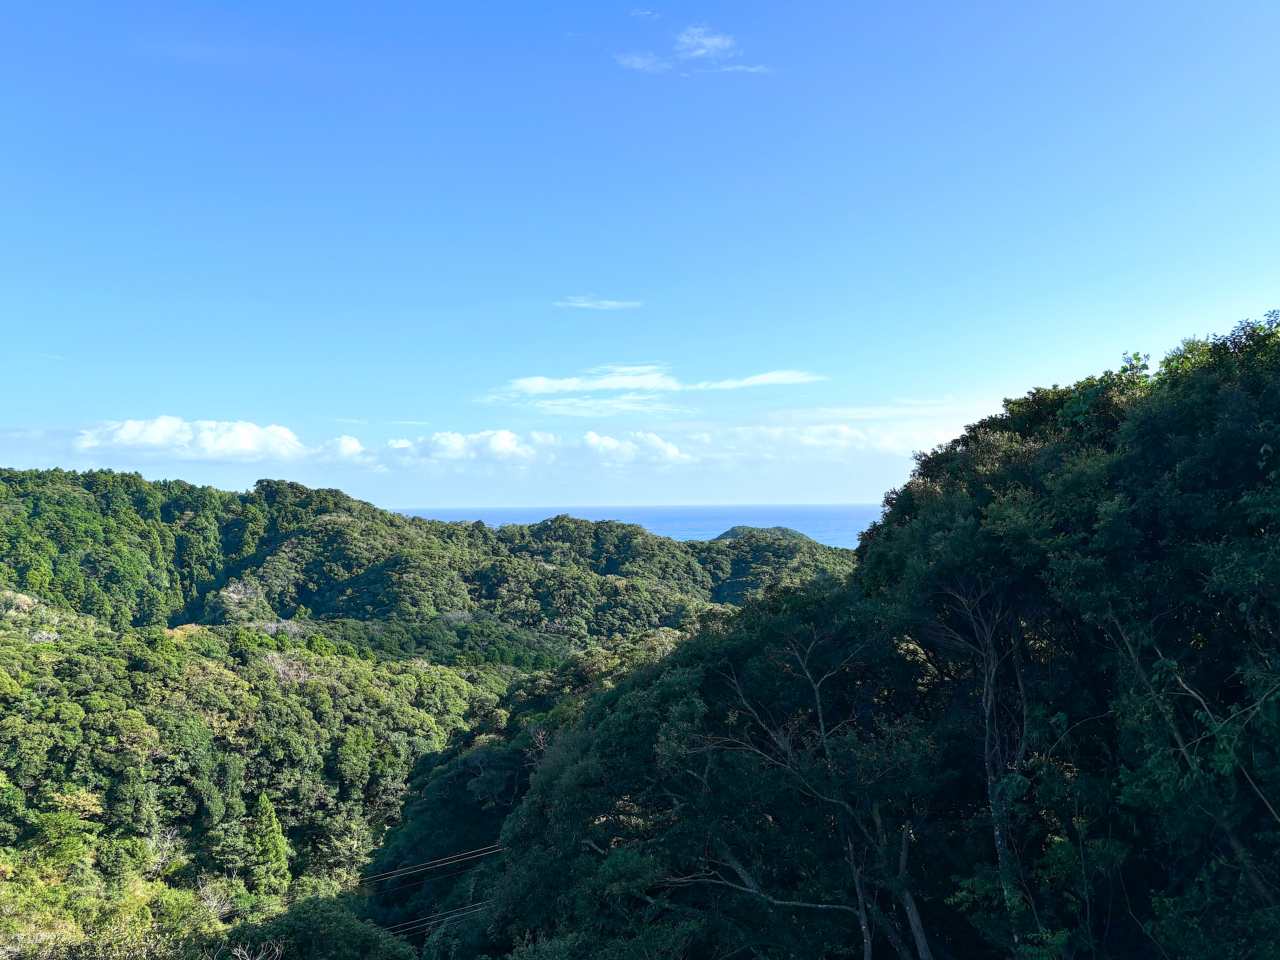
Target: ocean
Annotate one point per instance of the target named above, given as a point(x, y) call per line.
point(836, 524)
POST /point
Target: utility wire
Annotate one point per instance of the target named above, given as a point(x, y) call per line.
point(435, 916)
point(439, 865)
point(414, 883)
point(401, 929)
point(428, 864)
point(417, 868)
point(426, 925)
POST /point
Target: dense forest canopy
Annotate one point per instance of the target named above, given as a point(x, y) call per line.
point(741, 531)
point(1037, 719)
point(134, 553)
point(211, 703)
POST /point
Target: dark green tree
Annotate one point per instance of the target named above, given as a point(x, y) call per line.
point(268, 865)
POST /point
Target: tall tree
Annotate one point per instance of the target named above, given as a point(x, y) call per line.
point(269, 852)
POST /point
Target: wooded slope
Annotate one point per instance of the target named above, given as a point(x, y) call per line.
point(133, 552)
point(1040, 719)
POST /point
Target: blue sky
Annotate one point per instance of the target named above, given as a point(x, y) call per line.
point(467, 254)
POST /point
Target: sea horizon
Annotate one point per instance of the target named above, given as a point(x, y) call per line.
point(835, 524)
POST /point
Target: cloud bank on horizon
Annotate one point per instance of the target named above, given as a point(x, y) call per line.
point(655, 439)
point(798, 435)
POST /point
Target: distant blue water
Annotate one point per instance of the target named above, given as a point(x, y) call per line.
point(837, 524)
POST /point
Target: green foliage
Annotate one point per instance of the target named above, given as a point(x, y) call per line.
point(267, 865)
point(157, 784)
point(733, 533)
point(165, 781)
point(132, 552)
point(1039, 720)
point(319, 929)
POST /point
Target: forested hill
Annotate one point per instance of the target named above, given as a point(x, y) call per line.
point(136, 553)
point(211, 703)
point(1040, 721)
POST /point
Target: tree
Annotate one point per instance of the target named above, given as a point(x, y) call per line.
point(268, 851)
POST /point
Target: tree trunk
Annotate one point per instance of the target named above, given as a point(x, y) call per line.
point(913, 918)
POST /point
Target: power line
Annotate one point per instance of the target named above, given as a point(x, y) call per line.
point(410, 927)
point(405, 886)
point(430, 864)
point(417, 868)
point(434, 916)
point(428, 924)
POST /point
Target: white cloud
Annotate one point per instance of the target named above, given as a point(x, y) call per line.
point(644, 14)
point(487, 444)
point(591, 303)
point(839, 440)
point(644, 62)
point(605, 406)
point(699, 43)
point(613, 377)
point(495, 446)
point(196, 440)
point(639, 446)
point(901, 428)
point(216, 440)
point(771, 378)
point(695, 44)
point(344, 448)
point(798, 443)
point(650, 377)
point(947, 410)
point(837, 452)
point(737, 68)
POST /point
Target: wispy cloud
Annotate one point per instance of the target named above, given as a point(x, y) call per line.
point(638, 377)
point(644, 14)
point(695, 44)
point(605, 406)
point(592, 303)
point(42, 356)
point(644, 62)
point(903, 427)
point(699, 43)
point(648, 377)
point(771, 378)
point(737, 68)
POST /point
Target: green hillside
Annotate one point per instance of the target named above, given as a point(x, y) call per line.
point(1040, 720)
point(733, 533)
point(157, 784)
point(135, 553)
point(211, 704)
